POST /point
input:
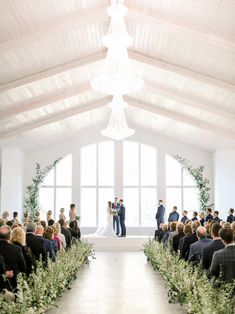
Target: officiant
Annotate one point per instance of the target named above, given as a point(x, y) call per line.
point(116, 222)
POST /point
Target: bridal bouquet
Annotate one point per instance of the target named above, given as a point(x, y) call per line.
point(114, 212)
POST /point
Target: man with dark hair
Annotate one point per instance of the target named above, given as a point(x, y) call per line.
point(231, 217)
point(174, 215)
point(122, 217)
point(12, 254)
point(223, 261)
point(184, 217)
point(116, 219)
point(178, 236)
point(195, 216)
point(36, 244)
point(72, 214)
point(188, 240)
point(196, 248)
point(15, 220)
point(209, 215)
point(216, 216)
point(65, 232)
point(215, 245)
point(50, 222)
point(160, 214)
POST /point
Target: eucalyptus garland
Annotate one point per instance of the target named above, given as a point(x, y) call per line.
point(31, 205)
point(202, 183)
point(188, 285)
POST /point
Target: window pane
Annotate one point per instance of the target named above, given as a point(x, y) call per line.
point(131, 202)
point(191, 202)
point(106, 163)
point(148, 206)
point(88, 207)
point(63, 199)
point(88, 165)
point(173, 198)
point(46, 201)
point(49, 179)
point(131, 163)
point(105, 195)
point(148, 165)
point(173, 171)
point(64, 171)
point(188, 179)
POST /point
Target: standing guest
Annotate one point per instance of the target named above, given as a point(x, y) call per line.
point(49, 235)
point(223, 261)
point(184, 217)
point(195, 251)
point(12, 255)
point(122, 216)
point(174, 215)
point(74, 230)
point(48, 245)
point(209, 215)
point(65, 232)
point(60, 235)
point(216, 216)
point(5, 216)
point(37, 217)
point(188, 240)
point(72, 214)
point(160, 214)
point(62, 215)
point(15, 220)
point(231, 216)
point(49, 215)
point(36, 244)
point(202, 218)
point(178, 236)
point(195, 216)
point(116, 221)
point(18, 237)
point(215, 245)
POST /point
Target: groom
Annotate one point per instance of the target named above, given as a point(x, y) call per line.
point(122, 215)
point(116, 207)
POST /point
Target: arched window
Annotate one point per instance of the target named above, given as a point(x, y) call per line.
point(181, 190)
point(56, 189)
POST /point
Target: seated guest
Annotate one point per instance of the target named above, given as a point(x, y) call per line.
point(2, 222)
point(50, 222)
point(43, 223)
point(215, 245)
point(209, 215)
point(223, 261)
point(18, 237)
point(178, 236)
point(65, 232)
point(231, 217)
point(48, 245)
point(173, 231)
point(49, 235)
point(75, 231)
point(5, 275)
point(208, 225)
point(195, 216)
point(195, 251)
point(15, 220)
point(56, 238)
point(233, 228)
point(36, 244)
point(227, 225)
point(12, 255)
point(174, 215)
point(159, 233)
point(60, 235)
point(9, 223)
point(188, 240)
point(184, 217)
point(166, 233)
point(216, 216)
point(202, 218)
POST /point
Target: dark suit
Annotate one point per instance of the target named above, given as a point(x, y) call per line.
point(208, 251)
point(223, 263)
point(217, 219)
point(195, 251)
point(160, 215)
point(116, 220)
point(184, 219)
point(174, 216)
point(14, 259)
point(67, 235)
point(202, 221)
point(37, 246)
point(122, 215)
point(48, 247)
point(209, 217)
point(230, 218)
point(185, 245)
point(176, 241)
point(194, 218)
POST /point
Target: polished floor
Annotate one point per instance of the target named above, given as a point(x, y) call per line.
point(117, 283)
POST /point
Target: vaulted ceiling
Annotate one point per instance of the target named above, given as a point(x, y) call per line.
point(183, 49)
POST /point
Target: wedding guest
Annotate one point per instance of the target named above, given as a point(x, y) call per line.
point(227, 225)
point(47, 243)
point(60, 235)
point(9, 223)
point(62, 215)
point(15, 218)
point(190, 239)
point(49, 235)
point(43, 223)
point(202, 218)
point(174, 215)
point(209, 215)
point(187, 231)
point(223, 261)
point(178, 236)
point(160, 214)
point(116, 222)
point(18, 237)
point(195, 216)
point(56, 238)
point(166, 233)
point(36, 244)
point(231, 216)
point(5, 275)
point(49, 215)
point(173, 231)
point(2, 222)
point(184, 217)
point(65, 232)
point(216, 216)
point(12, 254)
point(159, 233)
point(72, 214)
point(122, 217)
point(50, 222)
point(195, 251)
point(74, 230)
point(215, 245)
point(5, 216)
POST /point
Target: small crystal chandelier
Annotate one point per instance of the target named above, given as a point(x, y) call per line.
point(116, 77)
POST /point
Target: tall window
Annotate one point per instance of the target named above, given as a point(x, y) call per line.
point(56, 189)
point(181, 190)
point(97, 182)
point(139, 183)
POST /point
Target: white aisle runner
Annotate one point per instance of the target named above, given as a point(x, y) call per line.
point(117, 283)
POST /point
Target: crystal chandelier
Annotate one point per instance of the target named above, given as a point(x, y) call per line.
point(116, 77)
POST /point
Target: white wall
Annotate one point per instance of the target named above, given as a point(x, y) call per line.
point(224, 178)
point(12, 181)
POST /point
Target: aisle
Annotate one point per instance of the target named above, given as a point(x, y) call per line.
point(117, 283)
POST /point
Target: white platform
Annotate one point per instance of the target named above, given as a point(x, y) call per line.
point(129, 243)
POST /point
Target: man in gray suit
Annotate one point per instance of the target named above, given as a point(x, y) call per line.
point(195, 251)
point(223, 261)
point(160, 214)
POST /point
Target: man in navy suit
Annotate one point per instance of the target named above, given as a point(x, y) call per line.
point(230, 217)
point(122, 216)
point(160, 214)
point(174, 215)
point(209, 215)
point(184, 217)
point(195, 251)
point(216, 216)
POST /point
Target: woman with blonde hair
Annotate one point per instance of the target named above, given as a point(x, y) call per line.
point(60, 235)
point(5, 216)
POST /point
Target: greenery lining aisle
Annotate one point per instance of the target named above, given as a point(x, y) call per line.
point(187, 285)
point(39, 291)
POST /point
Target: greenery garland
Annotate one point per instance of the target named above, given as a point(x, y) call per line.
point(188, 285)
point(31, 205)
point(201, 182)
point(39, 291)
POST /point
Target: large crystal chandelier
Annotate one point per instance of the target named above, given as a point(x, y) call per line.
point(116, 77)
